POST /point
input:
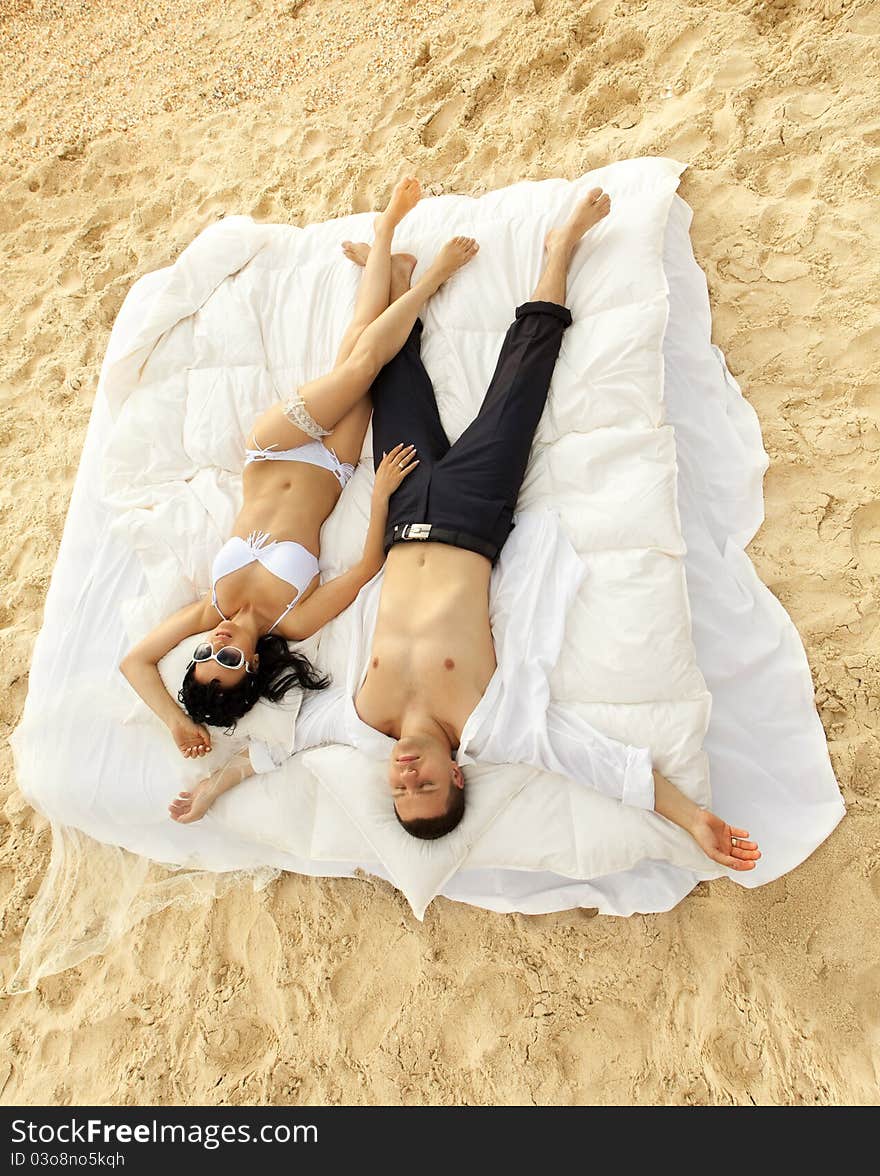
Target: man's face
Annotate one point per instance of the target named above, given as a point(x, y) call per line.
point(421, 777)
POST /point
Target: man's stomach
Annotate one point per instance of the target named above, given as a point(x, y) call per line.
point(436, 594)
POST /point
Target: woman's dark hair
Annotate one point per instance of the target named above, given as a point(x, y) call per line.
point(279, 670)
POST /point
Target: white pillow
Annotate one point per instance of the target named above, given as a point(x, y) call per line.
point(271, 723)
point(417, 868)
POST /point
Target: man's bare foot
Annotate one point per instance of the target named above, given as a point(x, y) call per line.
point(402, 265)
point(454, 254)
point(192, 806)
point(588, 212)
point(406, 195)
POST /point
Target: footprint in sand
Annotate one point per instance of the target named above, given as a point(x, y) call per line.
point(733, 1059)
point(871, 176)
point(26, 321)
point(233, 1044)
point(374, 994)
point(315, 143)
point(679, 52)
point(401, 116)
point(590, 24)
point(487, 1006)
point(784, 221)
point(442, 120)
point(121, 265)
point(217, 202)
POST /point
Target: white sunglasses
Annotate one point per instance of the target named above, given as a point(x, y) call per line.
point(230, 656)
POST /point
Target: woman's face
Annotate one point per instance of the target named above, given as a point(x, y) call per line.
point(226, 633)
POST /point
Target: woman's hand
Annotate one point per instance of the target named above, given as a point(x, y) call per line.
point(192, 804)
point(393, 468)
point(390, 472)
point(192, 738)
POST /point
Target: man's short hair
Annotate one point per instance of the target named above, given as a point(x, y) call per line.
point(430, 828)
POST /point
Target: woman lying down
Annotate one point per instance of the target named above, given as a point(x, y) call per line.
point(429, 693)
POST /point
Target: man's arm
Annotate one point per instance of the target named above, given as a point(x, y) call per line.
point(625, 772)
point(570, 746)
point(613, 768)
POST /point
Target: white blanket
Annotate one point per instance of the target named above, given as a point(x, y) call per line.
point(657, 483)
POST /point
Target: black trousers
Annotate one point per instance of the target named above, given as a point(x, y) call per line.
point(467, 490)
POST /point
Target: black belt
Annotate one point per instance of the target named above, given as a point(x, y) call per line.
point(409, 532)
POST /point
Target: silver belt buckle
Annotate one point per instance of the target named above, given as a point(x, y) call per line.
point(416, 531)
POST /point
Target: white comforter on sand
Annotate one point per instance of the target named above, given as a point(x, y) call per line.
point(648, 453)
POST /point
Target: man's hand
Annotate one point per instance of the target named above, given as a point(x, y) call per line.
point(714, 836)
point(192, 738)
point(392, 469)
point(715, 839)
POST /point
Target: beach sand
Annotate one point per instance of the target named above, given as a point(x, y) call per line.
point(127, 127)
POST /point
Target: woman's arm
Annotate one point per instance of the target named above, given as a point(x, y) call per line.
point(336, 595)
point(327, 602)
point(140, 669)
point(192, 805)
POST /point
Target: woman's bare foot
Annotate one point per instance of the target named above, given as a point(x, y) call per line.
point(357, 251)
point(588, 212)
point(402, 265)
point(406, 195)
point(192, 806)
point(454, 254)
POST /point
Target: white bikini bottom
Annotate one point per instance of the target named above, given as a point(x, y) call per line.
point(313, 452)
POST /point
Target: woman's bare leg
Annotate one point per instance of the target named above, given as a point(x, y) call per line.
point(384, 337)
point(347, 439)
point(373, 293)
point(330, 397)
point(372, 299)
point(371, 304)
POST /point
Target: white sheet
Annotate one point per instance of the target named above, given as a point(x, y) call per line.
point(769, 764)
point(206, 353)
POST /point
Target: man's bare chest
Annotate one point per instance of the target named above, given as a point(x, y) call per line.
point(439, 683)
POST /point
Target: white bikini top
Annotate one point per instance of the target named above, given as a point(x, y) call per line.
point(285, 559)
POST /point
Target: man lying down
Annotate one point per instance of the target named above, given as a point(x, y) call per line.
point(430, 693)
